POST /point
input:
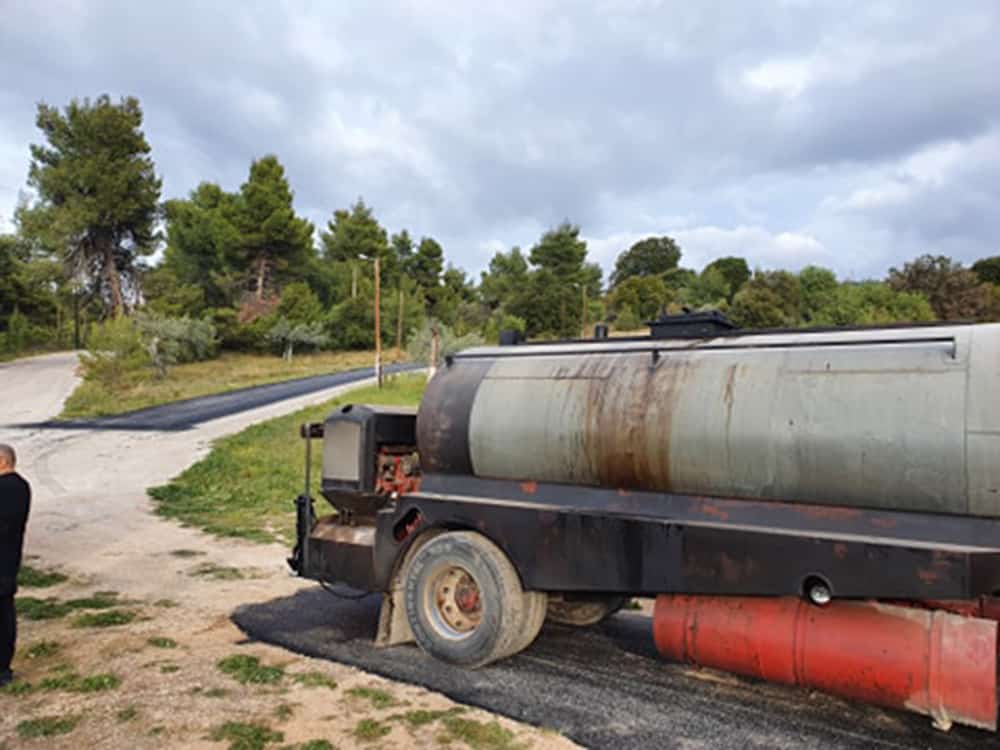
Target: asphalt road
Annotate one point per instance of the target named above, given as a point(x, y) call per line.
point(603, 687)
point(184, 415)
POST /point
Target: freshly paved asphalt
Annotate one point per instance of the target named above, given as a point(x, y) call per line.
point(603, 687)
point(183, 415)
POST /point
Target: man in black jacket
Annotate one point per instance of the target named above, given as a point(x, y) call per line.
point(15, 502)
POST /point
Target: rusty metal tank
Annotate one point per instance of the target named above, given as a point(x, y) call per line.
point(890, 418)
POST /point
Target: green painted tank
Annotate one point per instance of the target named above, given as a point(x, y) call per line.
point(890, 418)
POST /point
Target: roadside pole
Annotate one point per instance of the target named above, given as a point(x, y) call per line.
point(378, 332)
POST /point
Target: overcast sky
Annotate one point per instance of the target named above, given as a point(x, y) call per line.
point(852, 135)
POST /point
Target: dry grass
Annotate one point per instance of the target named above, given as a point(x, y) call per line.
point(228, 372)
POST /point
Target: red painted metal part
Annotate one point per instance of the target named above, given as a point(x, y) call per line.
point(929, 661)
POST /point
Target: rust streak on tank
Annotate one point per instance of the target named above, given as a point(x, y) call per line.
point(529, 488)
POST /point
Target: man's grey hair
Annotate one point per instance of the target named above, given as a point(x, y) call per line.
point(8, 454)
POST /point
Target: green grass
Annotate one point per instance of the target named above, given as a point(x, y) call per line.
point(246, 486)
point(169, 669)
point(107, 619)
point(162, 642)
point(32, 608)
point(127, 714)
point(74, 683)
point(217, 572)
point(43, 649)
point(378, 698)
point(478, 735)
point(247, 669)
point(283, 712)
point(423, 717)
point(35, 578)
point(246, 736)
point(229, 372)
point(314, 679)
point(46, 726)
point(369, 730)
point(216, 693)
point(313, 745)
point(17, 688)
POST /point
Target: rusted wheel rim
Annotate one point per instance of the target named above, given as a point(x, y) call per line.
point(453, 603)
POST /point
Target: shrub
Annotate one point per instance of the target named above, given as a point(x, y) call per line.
point(419, 346)
point(171, 341)
point(288, 334)
point(115, 353)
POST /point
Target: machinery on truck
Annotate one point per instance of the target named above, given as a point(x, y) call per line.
point(817, 507)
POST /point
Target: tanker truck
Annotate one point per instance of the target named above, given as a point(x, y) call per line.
point(819, 507)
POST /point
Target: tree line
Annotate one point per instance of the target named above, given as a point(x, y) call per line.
point(241, 270)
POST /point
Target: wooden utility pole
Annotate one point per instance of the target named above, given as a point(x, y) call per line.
point(378, 330)
point(399, 325)
point(354, 279)
point(435, 348)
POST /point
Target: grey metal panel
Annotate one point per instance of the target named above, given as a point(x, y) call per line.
point(341, 446)
point(865, 425)
point(983, 421)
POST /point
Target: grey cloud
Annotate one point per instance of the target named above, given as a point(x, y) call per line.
point(483, 125)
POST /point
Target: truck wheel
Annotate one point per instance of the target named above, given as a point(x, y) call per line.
point(584, 610)
point(464, 600)
point(536, 608)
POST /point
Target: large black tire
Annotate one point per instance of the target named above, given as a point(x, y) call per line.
point(456, 569)
point(582, 611)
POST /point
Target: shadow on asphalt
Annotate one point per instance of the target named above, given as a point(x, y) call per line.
point(189, 413)
point(601, 687)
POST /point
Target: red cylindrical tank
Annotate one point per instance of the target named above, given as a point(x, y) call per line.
point(931, 662)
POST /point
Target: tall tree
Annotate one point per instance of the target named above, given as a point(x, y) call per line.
point(273, 239)
point(204, 247)
point(954, 292)
point(402, 246)
point(553, 300)
point(507, 273)
point(652, 256)
point(355, 235)
point(988, 269)
point(734, 270)
point(97, 193)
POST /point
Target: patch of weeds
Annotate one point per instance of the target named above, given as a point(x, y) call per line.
point(17, 688)
point(162, 642)
point(100, 600)
point(369, 730)
point(313, 745)
point(127, 714)
point(216, 693)
point(36, 578)
point(248, 669)
point(478, 734)
point(31, 608)
point(185, 553)
point(157, 731)
point(217, 572)
point(423, 717)
point(43, 649)
point(246, 736)
point(314, 679)
point(283, 712)
point(46, 726)
point(378, 698)
point(106, 619)
point(74, 683)
point(633, 604)
point(169, 669)
point(165, 603)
